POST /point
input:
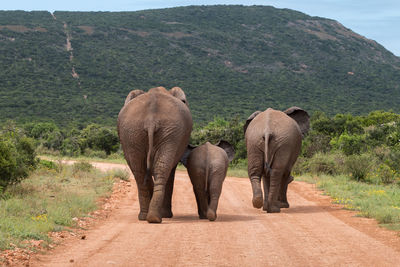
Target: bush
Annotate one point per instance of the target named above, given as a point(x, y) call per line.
point(47, 164)
point(17, 156)
point(98, 137)
point(231, 131)
point(82, 166)
point(349, 144)
point(359, 166)
point(8, 164)
point(383, 175)
point(314, 143)
point(322, 163)
point(120, 174)
point(301, 166)
point(95, 153)
point(71, 146)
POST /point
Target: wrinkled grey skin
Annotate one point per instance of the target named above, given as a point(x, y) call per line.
point(154, 130)
point(273, 141)
point(207, 165)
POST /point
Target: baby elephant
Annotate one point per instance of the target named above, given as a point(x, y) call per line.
point(207, 165)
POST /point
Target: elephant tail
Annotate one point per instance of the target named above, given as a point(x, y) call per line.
point(150, 134)
point(268, 160)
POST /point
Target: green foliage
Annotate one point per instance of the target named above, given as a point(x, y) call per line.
point(315, 142)
point(368, 145)
point(349, 144)
point(358, 166)
point(230, 60)
point(120, 174)
point(17, 156)
point(47, 164)
point(99, 137)
point(218, 129)
point(82, 166)
point(320, 163)
point(383, 174)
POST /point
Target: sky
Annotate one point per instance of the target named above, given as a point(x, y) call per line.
point(378, 20)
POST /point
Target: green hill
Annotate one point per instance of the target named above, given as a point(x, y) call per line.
point(230, 60)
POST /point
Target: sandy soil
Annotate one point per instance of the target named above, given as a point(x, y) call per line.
point(312, 232)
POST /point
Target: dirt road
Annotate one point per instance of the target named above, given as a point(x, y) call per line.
point(312, 232)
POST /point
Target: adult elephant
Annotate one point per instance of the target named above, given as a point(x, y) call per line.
point(154, 130)
point(273, 141)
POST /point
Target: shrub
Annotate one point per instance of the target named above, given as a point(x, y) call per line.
point(349, 144)
point(120, 174)
point(231, 131)
point(98, 137)
point(359, 166)
point(8, 163)
point(95, 153)
point(314, 143)
point(322, 163)
point(70, 146)
point(47, 164)
point(301, 166)
point(384, 174)
point(81, 166)
point(393, 160)
point(17, 156)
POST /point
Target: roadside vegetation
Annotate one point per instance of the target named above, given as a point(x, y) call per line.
point(51, 199)
point(356, 160)
point(39, 196)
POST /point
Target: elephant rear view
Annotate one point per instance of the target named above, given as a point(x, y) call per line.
point(273, 141)
point(154, 130)
point(207, 165)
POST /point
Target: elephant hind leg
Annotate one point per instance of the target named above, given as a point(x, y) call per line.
point(255, 171)
point(215, 189)
point(275, 189)
point(162, 169)
point(166, 210)
point(145, 193)
point(201, 200)
point(265, 181)
point(283, 193)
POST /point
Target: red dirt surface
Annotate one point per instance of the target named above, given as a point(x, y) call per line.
point(312, 232)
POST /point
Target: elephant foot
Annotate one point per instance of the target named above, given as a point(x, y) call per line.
point(142, 216)
point(202, 216)
point(211, 215)
point(152, 217)
point(167, 214)
point(265, 205)
point(284, 205)
point(258, 202)
point(273, 208)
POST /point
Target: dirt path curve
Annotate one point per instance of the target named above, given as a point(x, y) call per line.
point(312, 232)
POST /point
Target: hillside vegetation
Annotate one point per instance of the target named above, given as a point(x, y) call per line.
point(230, 60)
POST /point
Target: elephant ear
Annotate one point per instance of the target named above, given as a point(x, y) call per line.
point(225, 145)
point(301, 117)
point(132, 94)
point(178, 93)
point(249, 119)
point(186, 154)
